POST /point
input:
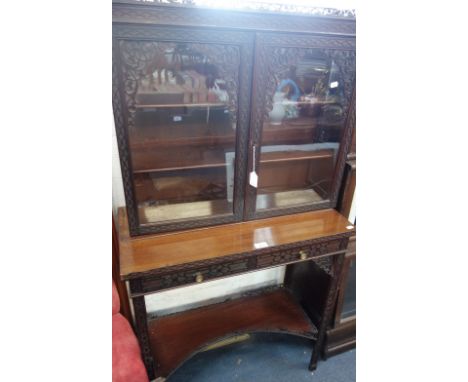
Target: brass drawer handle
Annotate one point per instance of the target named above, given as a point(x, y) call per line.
point(199, 278)
point(303, 255)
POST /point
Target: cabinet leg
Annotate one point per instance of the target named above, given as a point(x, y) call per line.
point(328, 309)
point(141, 327)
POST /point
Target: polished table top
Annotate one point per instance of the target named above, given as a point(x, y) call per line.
point(144, 253)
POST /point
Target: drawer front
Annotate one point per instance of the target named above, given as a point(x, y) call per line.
point(198, 273)
point(297, 254)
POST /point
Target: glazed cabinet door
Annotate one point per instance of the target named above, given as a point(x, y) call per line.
point(303, 115)
point(181, 100)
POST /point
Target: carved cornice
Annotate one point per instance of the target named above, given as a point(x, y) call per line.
point(170, 15)
point(261, 6)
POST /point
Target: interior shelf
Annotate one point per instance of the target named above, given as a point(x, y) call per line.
point(189, 135)
point(162, 106)
point(284, 156)
point(159, 161)
point(195, 134)
point(156, 161)
point(177, 337)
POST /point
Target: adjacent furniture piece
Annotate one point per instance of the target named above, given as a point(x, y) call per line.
point(127, 365)
point(234, 129)
point(341, 335)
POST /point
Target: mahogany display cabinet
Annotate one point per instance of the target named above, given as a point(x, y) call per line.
point(233, 130)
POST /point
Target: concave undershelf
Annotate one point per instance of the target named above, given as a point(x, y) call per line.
point(177, 337)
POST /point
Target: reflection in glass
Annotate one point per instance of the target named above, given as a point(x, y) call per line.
point(182, 122)
point(301, 131)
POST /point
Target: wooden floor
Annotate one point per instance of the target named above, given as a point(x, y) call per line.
point(176, 337)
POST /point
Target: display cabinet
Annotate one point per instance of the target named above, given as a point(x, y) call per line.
point(240, 123)
point(222, 120)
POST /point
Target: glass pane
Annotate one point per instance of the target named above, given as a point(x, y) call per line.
point(302, 127)
point(182, 124)
point(349, 301)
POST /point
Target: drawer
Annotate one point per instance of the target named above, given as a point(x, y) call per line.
point(297, 254)
point(197, 274)
point(283, 257)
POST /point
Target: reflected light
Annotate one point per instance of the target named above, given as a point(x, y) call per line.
point(272, 5)
point(263, 237)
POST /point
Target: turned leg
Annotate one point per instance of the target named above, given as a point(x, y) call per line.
point(328, 309)
point(141, 328)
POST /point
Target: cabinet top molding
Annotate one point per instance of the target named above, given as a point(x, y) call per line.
point(262, 6)
point(256, 15)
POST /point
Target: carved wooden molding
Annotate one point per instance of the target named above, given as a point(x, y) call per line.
point(325, 263)
point(141, 325)
point(261, 6)
point(141, 13)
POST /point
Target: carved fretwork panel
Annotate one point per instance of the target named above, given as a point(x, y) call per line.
point(280, 60)
point(198, 274)
point(325, 263)
point(142, 331)
point(141, 59)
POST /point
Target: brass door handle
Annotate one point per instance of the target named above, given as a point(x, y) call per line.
point(199, 278)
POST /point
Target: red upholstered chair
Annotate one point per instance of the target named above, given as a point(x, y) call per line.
point(127, 365)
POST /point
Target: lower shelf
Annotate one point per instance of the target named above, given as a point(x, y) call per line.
point(177, 337)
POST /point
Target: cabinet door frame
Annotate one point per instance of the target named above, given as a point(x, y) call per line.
point(262, 72)
point(245, 41)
